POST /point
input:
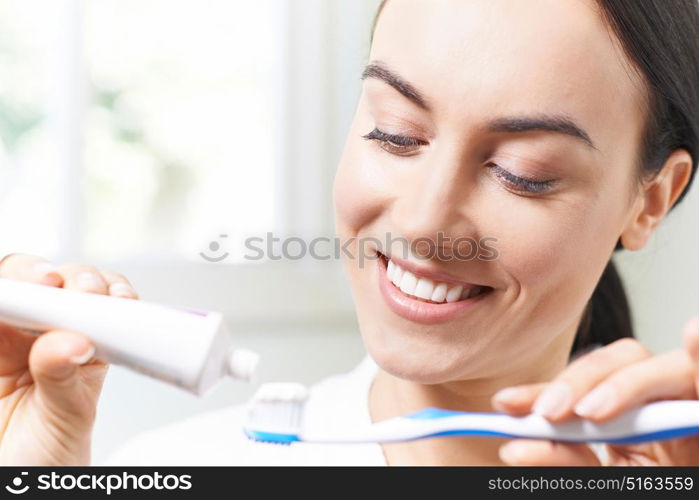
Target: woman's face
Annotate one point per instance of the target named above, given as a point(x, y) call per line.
point(513, 122)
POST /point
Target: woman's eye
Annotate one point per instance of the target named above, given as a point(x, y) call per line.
point(395, 144)
point(521, 184)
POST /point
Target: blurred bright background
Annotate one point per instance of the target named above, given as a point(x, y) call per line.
point(135, 135)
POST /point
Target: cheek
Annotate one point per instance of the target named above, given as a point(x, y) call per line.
point(539, 245)
point(349, 208)
point(360, 194)
point(556, 253)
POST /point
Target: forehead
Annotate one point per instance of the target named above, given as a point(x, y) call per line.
point(474, 58)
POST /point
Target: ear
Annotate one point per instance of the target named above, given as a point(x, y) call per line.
point(656, 198)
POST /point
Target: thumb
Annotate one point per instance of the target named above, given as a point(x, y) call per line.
point(54, 363)
point(534, 452)
point(691, 345)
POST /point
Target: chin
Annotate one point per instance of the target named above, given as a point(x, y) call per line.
point(418, 361)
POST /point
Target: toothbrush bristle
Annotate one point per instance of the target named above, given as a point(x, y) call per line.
point(275, 414)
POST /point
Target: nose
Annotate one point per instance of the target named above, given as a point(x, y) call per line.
point(436, 205)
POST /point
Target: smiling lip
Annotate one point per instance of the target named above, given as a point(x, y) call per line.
point(421, 272)
point(420, 311)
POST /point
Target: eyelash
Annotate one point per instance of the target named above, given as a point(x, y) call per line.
point(395, 144)
point(404, 146)
point(521, 183)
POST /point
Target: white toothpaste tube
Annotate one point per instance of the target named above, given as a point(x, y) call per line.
point(189, 349)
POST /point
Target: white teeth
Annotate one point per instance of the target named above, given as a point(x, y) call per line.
point(424, 288)
point(467, 293)
point(397, 275)
point(454, 293)
point(440, 293)
point(408, 283)
point(390, 268)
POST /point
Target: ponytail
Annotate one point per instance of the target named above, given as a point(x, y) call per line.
point(607, 316)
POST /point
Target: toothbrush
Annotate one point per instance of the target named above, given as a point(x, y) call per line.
point(275, 415)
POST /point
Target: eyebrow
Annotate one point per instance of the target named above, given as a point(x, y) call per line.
point(559, 123)
point(379, 71)
point(549, 123)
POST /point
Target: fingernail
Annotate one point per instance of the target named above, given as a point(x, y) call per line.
point(43, 268)
point(88, 281)
point(692, 325)
point(691, 335)
point(505, 396)
point(554, 400)
point(83, 358)
point(596, 401)
point(508, 394)
point(512, 452)
point(121, 290)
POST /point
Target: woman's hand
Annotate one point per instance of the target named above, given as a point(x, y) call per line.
point(600, 386)
point(49, 385)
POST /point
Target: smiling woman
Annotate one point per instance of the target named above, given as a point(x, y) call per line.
point(562, 131)
point(565, 137)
